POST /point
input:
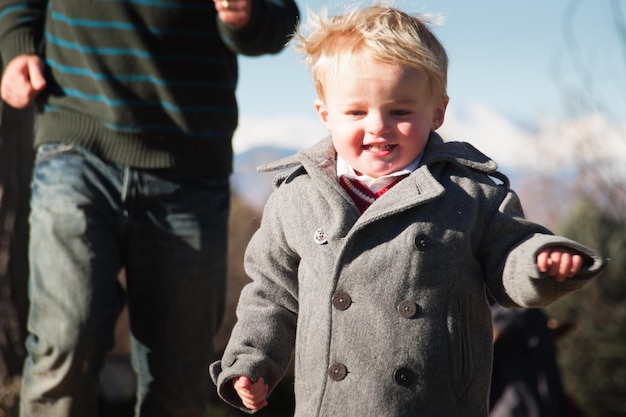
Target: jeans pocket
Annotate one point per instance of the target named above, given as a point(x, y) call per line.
point(50, 150)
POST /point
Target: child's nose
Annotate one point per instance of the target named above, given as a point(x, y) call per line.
point(376, 123)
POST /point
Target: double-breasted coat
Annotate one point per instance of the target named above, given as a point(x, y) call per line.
point(385, 313)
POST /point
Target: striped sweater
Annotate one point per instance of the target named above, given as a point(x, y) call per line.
point(148, 83)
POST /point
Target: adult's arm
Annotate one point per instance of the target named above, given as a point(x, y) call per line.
point(21, 28)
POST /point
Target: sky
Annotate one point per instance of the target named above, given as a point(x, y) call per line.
point(517, 71)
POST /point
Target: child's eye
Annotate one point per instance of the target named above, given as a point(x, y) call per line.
point(400, 112)
point(356, 113)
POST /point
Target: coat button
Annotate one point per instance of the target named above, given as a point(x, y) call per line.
point(319, 237)
point(342, 300)
point(337, 371)
point(407, 309)
point(404, 377)
point(422, 242)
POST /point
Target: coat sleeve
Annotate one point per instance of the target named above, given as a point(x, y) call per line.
point(262, 341)
point(271, 25)
point(513, 244)
point(21, 27)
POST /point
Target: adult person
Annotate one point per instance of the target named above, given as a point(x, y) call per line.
point(137, 109)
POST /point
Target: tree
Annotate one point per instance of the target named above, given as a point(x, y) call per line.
point(593, 355)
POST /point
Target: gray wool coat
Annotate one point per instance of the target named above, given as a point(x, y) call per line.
point(385, 313)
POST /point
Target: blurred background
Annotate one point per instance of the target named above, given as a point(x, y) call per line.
point(538, 86)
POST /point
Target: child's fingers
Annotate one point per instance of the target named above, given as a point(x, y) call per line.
point(553, 263)
point(565, 262)
point(559, 263)
point(577, 264)
point(253, 395)
point(570, 265)
point(241, 382)
point(259, 389)
point(542, 260)
point(254, 405)
point(259, 386)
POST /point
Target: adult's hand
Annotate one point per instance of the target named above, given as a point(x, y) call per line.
point(22, 81)
point(234, 12)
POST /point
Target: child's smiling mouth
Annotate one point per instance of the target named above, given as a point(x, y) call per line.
point(379, 147)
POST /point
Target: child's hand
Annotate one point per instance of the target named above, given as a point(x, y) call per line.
point(560, 263)
point(253, 395)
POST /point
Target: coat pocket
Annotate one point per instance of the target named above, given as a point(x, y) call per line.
point(461, 363)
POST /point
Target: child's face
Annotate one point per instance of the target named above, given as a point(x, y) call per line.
point(379, 115)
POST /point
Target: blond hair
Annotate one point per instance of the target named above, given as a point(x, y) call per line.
point(382, 33)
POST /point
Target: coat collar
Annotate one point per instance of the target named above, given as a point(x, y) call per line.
point(422, 186)
point(321, 157)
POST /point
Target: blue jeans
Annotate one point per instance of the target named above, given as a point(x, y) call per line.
point(90, 218)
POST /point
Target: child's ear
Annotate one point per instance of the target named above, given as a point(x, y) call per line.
point(440, 114)
point(322, 111)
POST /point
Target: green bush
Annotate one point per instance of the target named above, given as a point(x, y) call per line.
point(593, 355)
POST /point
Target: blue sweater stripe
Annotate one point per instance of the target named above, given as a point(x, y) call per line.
point(12, 9)
point(15, 9)
point(165, 4)
point(53, 40)
point(102, 24)
point(165, 128)
point(138, 78)
point(98, 98)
